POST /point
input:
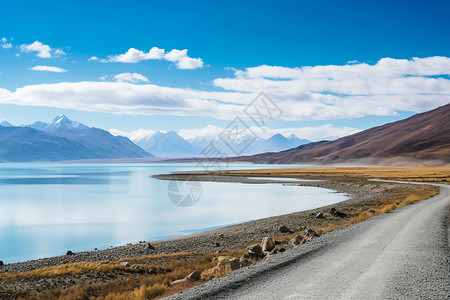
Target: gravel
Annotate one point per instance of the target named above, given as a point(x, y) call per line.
point(399, 255)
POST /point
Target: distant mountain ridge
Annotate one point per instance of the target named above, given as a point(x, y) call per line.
point(170, 144)
point(422, 136)
point(63, 139)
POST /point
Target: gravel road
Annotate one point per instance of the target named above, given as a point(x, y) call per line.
point(399, 255)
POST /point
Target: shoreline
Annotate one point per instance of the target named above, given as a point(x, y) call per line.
point(230, 237)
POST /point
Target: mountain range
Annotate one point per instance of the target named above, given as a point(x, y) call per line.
point(422, 136)
point(62, 139)
point(170, 144)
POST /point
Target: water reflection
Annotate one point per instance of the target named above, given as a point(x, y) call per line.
point(48, 209)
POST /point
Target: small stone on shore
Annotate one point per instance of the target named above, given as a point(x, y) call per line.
point(283, 229)
point(194, 276)
point(267, 244)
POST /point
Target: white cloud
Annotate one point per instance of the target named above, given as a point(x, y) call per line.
point(182, 60)
point(43, 51)
point(134, 56)
point(47, 69)
point(5, 44)
point(306, 93)
point(131, 77)
point(93, 58)
point(59, 52)
point(178, 57)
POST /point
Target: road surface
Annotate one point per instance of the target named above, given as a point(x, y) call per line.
point(399, 255)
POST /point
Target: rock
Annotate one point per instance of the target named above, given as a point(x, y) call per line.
point(296, 240)
point(283, 229)
point(217, 244)
point(1, 263)
point(227, 265)
point(150, 246)
point(320, 216)
point(152, 272)
point(267, 244)
point(70, 253)
point(274, 251)
point(125, 264)
point(194, 276)
point(255, 251)
point(282, 249)
point(337, 213)
point(244, 261)
point(134, 267)
point(180, 281)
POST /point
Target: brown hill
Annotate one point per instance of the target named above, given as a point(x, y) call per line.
point(423, 136)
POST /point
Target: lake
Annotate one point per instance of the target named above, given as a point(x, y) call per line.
point(48, 209)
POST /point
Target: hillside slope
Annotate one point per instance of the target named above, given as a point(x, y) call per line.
point(423, 136)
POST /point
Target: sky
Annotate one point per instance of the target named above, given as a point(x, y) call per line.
point(332, 68)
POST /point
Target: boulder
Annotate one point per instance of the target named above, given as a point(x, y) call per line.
point(320, 216)
point(150, 246)
point(135, 267)
point(1, 263)
point(296, 240)
point(70, 253)
point(267, 244)
point(152, 272)
point(337, 213)
point(227, 265)
point(245, 261)
point(125, 264)
point(283, 229)
point(255, 251)
point(194, 276)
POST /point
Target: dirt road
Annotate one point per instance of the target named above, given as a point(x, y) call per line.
point(399, 255)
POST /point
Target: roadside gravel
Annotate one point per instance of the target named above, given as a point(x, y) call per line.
point(399, 255)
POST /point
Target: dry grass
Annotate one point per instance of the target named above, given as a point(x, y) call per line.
point(86, 267)
point(129, 283)
point(422, 174)
point(382, 206)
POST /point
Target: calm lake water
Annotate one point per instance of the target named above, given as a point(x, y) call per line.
point(47, 209)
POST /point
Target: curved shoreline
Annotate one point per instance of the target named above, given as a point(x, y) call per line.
point(229, 237)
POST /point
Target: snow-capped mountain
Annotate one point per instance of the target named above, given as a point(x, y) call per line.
point(168, 144)
point(63, 139)
point(6, 124)
point(171, 144)
point(60, 122)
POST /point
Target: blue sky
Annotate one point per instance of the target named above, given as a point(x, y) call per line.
point(364, 44)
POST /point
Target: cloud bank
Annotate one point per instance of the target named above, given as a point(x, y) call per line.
point(304, 93)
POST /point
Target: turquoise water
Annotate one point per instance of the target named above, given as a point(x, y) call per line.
point(47, 209)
